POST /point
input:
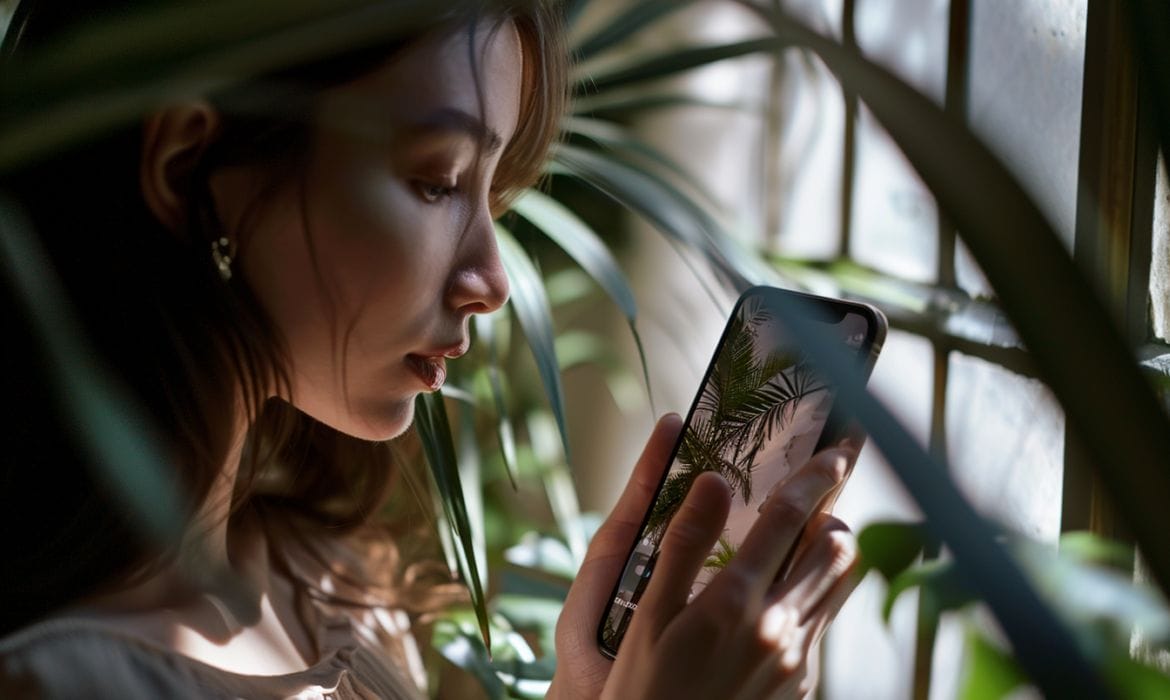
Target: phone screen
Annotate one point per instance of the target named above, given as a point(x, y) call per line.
point(762, 411)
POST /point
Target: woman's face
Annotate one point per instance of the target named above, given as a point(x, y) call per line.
point(371, 263)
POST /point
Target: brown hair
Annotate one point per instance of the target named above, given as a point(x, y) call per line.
point(186, 343)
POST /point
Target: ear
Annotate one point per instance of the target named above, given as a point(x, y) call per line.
point(173, 140)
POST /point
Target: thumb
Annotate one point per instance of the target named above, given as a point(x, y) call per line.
point(692, 532)
point(611, 545)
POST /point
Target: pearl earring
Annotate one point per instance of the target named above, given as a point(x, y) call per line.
point(221, 255)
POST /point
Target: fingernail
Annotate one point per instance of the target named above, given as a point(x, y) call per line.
point(840, 465)
point(669, 418)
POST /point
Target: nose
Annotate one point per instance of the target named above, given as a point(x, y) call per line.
point(479, 284)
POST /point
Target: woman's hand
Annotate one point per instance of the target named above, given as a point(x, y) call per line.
point(746, 634)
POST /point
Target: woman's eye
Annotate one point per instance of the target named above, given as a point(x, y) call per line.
point(433, 192)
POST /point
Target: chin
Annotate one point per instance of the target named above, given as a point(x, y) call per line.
point(384, 421)
point(376, 421)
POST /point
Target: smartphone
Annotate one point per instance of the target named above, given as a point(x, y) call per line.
point(761, 412)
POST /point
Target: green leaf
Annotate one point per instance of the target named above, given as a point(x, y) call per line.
point(537, 615)
point(1104, 600)
point(529, 612)
point(671, 212)
point(558, 484)
point(568, 285)
point(891, 547)
point(576, 348)
point(1135, 680)
point(613, 137)
point(670, 63)
point(110, 72)
point(572, 234)
point(541, 553)
point(1091, 548)
point(446, 535)
point(512, 669)
point(939, 584)
point(535, 583)
point(458, 394)
point(573, 10)
point(468, 652)
point(989, 672)
point(584, 246)
point(531, 307)
point(471, 482)
point(435, 434)
point(504, 434)
point(622, 105)
point(637, 16)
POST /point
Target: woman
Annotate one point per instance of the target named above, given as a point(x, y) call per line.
point(276, 271)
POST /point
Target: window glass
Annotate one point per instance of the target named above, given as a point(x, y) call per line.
point(811, 148)
point(1025, 95)
point(1026, 65)
point(895, 222)
point(1006, 445)
point(810, 124)
point(909, 38)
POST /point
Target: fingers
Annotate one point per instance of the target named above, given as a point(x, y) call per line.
point(786, 663)
point(783, 517)
point(802, 607)
point(827, 563)
point(823, 616)
point(819, 618)
point(688, 540)
point(611, 544)
point(853, 439)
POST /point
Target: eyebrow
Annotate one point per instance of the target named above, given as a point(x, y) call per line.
point(452, 119)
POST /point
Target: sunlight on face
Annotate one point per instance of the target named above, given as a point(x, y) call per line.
point(371, 264)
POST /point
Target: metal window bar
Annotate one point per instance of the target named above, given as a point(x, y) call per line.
point(849, 149)
point(955, 106)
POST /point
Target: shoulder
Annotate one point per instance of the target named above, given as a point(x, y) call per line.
point(78, 659)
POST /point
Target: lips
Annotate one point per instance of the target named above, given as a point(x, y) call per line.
point(431, 370)
point(431, 365)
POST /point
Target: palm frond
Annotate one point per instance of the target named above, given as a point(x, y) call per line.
point(724, 551)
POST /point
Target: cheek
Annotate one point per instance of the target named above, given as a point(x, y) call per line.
point(382, 245)
point(352, 269)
